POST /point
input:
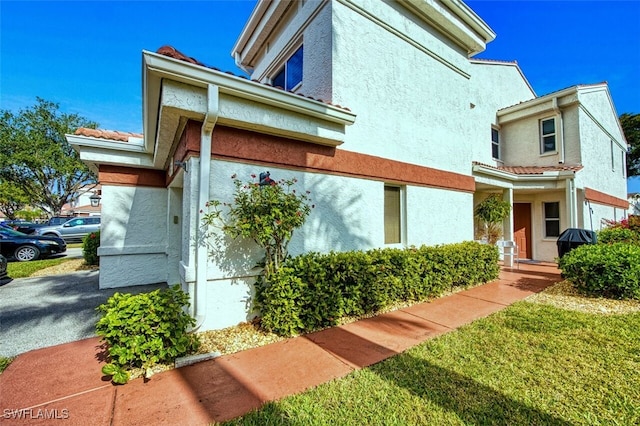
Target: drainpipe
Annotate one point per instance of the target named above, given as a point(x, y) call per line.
point(210, 118)
point(507, 195)
point(556, 109)
point(572, 203)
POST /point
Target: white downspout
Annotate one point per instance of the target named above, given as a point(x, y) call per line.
point(507, 195)
point(572, 202)
point(204, 195)
point(561, 129)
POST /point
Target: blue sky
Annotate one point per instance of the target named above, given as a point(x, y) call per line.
point(86, 56)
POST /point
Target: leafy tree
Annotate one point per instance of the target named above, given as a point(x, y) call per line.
point(631, 127)
point(12, 199)
point(36, 157)
point(492, 211)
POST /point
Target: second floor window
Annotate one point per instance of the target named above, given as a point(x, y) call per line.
point(548, 135)
point(290, 75)
point(495, 144)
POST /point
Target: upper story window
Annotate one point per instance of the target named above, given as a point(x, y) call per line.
point(495, 144)
point(548, 135)
point(613, 159)
point(290, 75)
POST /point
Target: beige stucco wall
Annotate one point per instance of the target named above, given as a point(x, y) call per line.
point(544, 249)
point(493, 86)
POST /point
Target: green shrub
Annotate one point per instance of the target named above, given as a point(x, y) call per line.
point(618, 235)
point(610, 270)
point(313, 290)
point(90, 245)
point(144, 329)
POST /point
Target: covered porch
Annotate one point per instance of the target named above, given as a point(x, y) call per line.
point(544, 202)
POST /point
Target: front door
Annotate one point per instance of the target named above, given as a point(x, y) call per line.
point(522, 229)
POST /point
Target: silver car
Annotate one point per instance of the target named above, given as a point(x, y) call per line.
point(72, 230)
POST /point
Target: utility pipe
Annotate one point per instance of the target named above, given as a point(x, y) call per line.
point(204, 195)
point(558, 112)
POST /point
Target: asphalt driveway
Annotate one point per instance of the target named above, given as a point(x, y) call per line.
point(46, 311)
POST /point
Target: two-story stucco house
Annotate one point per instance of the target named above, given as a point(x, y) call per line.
point(376, 107)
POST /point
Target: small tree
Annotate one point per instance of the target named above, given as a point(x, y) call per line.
point(492, 211)
point(266, 212)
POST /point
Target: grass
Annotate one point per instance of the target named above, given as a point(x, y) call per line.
point(25, 269)
point(528, 364)
point(4, 363)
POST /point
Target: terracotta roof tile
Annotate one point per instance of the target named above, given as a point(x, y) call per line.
point(172, 52)
point(532, 170)
point(112, 135)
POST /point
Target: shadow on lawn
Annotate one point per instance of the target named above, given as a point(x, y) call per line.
point(473, 402)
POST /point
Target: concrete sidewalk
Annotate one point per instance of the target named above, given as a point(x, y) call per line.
point(63, 384)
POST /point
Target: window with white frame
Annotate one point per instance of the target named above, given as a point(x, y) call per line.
point(552, 219)
point(623, 165)
point(547, 135)
point(290, 75)
point(613, 158)
point(495, 143)
point(392, 214)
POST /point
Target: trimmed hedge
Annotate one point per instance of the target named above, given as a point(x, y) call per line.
point(610, 270)
point(618, 235)
point(313, 290)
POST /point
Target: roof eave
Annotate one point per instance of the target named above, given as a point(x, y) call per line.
point(547, 175)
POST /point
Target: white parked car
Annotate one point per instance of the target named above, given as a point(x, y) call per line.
point(73, 230)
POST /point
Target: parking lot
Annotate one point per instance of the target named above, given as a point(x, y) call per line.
point(50, 310)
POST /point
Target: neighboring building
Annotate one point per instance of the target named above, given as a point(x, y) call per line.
point(428, 133)
point(634, 203)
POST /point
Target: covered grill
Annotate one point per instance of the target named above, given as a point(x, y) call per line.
point(574, 237)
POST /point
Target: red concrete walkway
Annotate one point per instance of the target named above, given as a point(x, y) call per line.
point(63, 384)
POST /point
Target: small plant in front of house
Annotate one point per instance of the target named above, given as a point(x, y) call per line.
point(492, 211)
point(145, 329)
point(265, 211)
point(90, 245)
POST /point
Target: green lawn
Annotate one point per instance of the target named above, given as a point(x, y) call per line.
point(529, 364)
point(25, 269)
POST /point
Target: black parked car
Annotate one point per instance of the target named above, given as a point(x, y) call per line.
point(23, 247)
point(22, 226)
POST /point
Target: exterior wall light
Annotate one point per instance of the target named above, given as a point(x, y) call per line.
point(95, 200)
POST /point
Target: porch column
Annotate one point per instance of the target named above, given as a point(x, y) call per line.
point(507, 225)
point(572, 203)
